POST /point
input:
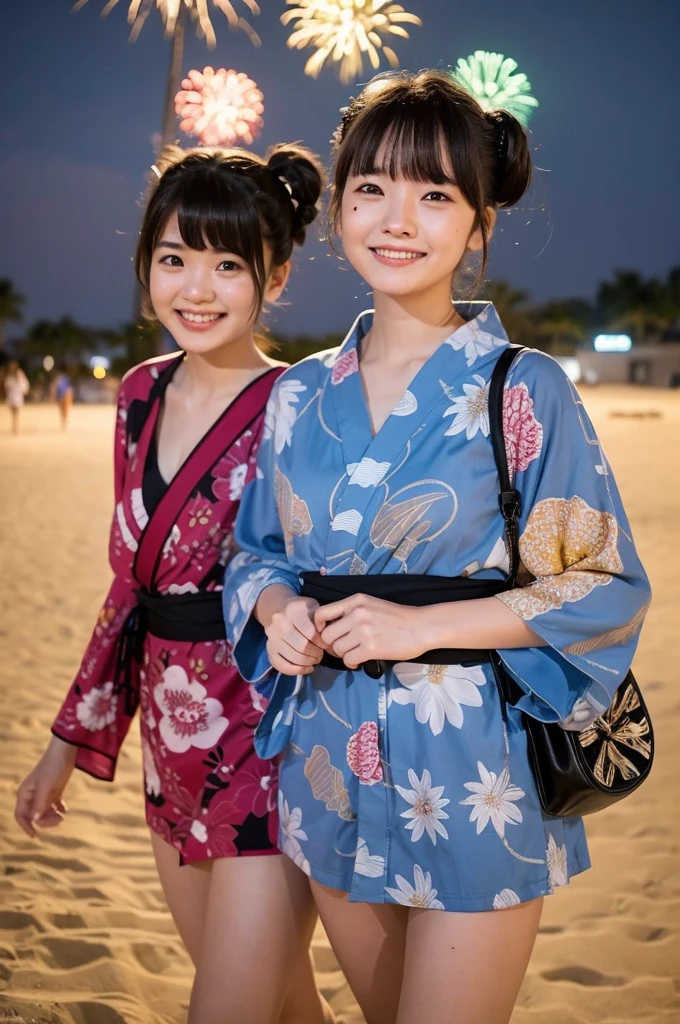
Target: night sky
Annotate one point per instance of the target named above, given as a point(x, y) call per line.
point(82, 105)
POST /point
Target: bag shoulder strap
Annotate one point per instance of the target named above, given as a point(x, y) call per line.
point(509, 498)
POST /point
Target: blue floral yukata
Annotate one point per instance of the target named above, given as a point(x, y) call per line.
point(412, 788)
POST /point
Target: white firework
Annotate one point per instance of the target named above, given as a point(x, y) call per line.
point(343, 32)
point(199, 10)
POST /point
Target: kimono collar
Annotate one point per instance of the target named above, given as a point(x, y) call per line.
point(481, 332)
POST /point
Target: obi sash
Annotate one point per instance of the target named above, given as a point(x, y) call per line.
point(415, 590)
point(189, 618)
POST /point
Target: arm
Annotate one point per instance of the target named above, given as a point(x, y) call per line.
point(93, 718)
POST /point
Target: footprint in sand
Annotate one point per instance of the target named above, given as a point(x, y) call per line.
point(90, 893)
point(150, 958)
point(66, 921)
point(644, 932)
point(58, 863)
point(16, 920)
point(583, 976)
point(69, 953)
point(94, 1013)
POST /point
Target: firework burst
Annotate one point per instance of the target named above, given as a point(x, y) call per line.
point(491, 79)
point(343, 32)
point(220, 107)
point(199, 10)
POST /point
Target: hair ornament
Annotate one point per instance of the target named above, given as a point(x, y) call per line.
point(289, 189)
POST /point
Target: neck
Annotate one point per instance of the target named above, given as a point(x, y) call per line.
point(410, 327)
point(207, 375)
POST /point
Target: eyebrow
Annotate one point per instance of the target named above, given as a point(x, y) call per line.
point(170, 245)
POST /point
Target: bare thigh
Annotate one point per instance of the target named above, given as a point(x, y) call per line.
point(466, 968)
point(187, 889)
point(369, 941)
point(257, 926)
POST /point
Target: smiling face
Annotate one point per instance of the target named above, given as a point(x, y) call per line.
point(406, 238)
point(206, 298)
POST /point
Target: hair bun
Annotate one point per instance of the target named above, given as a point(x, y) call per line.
point(513, 159)
point(301, 172)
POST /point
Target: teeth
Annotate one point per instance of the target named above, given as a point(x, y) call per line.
point(199, 318)
point(398, 254)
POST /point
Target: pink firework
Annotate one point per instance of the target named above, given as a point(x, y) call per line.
point(220, 107)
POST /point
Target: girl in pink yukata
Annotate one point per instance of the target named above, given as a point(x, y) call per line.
point(215, 246)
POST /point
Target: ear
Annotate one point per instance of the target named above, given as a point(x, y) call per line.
point(475, 242)
point(277, 281)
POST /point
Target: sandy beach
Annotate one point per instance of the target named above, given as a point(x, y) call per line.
point(85, 935)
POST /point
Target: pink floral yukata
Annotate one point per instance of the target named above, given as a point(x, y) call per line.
point(207, 792)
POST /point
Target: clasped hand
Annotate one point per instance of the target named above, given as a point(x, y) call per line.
point(357, 629)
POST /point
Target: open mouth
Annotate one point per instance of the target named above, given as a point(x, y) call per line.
point(199, 318)
point(397, 255)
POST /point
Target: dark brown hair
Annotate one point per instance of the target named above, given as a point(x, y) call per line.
point(232, 201)
point(424, 126)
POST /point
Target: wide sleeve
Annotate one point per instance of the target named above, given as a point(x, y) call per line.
point(94, 716)
point(587, 593)
point(261, 561)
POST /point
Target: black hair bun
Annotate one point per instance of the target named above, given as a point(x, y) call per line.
point(302, 174)
point(513, 159)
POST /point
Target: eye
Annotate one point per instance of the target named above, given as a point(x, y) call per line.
point(228, 265)
point(438, 197)
point(369, 189)
point(171, 261)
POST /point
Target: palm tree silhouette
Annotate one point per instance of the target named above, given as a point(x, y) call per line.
point(11, 303)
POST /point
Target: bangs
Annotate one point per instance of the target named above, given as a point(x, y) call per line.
point(220, 217)
point(404, 139)
point(415, 148)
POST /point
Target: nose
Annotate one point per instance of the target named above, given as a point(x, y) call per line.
point(400, 215)
point(198, 285)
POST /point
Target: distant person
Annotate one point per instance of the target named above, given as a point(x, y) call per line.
point(16, 389)
point(215, 247)
point(63, 393)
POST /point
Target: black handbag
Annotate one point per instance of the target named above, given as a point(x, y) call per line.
point(576, 773)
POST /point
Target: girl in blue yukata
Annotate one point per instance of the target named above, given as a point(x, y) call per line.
point(406, 793)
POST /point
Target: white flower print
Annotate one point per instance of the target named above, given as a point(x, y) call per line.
point(421, 895)
point(505, 898)
point(182, 588)
point(291, 833)
point(137, 505)
point(97, 709)
point(367, 473)
point(174, 538)
point(281, 413)
point(438, 691)
point(199, 831)
point(425, 812)
point(556, 857)
point(245, 594)
point(496, 559)
point(190, 718)
point(475, 341)
point(407, 405)
point(470, 411)
point(152, 780)
point(128, 540)
point(237, 481)
point(348, 521)
point(368, 864)
point(493, 800)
